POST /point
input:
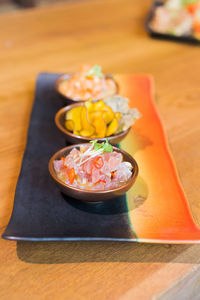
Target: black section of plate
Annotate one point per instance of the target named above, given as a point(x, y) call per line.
point(154, 34)
point(41, 212)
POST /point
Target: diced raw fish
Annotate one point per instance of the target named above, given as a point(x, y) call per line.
point(106, 156)
point(62, 175)
point(87, 166)
point(98, 186)
point(105, 179)
point(112, 185)
point(115, 160)
point(75, 153)
point(106, 168)
point(84, 86)
point(123, 173)
point(95, 175)
point(70, 160)
point(58, 165)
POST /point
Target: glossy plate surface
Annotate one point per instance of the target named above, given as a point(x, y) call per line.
point(155, 209)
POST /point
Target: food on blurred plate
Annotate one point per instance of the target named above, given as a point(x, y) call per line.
point(89, 83)
point(178, 18)
point(93, 167)
point(103, 118)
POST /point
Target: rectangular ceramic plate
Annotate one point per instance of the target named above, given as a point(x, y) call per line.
point(184, 38)
point(155, 208)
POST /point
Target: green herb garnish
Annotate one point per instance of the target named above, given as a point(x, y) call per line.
point(96, 70)
point(188, 2)
point(91, 153)
point(106, 147)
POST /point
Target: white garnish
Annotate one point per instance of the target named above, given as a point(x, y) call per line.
point(84, 153)
point(92, 155)
point(128, 165)
point(89, 153)
point(94, 150)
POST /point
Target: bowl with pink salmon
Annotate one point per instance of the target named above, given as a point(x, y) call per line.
point(93, 172)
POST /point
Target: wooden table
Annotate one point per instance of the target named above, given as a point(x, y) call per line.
point(111, 33)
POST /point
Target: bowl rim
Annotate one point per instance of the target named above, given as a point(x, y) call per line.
point(52, 172)
point(62, 77)
point(65, 131)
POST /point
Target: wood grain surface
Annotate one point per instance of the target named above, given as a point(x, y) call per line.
point(60, 38)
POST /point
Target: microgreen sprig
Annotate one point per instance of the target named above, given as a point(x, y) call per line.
point(96, 70)
point(94, 150)
point(106, 147)
point(188, 2)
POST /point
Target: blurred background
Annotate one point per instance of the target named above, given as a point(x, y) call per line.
point(12, 5)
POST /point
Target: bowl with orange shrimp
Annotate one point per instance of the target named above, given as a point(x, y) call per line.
point(88, 83)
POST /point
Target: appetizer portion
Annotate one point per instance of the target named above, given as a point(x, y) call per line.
point(94, 167)
point(178, 18)
point(102, 118)
point(89, 83)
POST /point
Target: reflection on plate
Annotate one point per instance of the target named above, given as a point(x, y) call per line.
point(155, 209)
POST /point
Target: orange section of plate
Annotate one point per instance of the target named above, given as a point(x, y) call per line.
point(158, 208)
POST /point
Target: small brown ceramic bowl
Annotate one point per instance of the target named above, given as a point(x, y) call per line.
point(69, 100)
point(76, 139)
point(89, 195)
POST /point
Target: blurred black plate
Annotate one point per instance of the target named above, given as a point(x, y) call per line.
point(41, 212)
point(155, 34)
